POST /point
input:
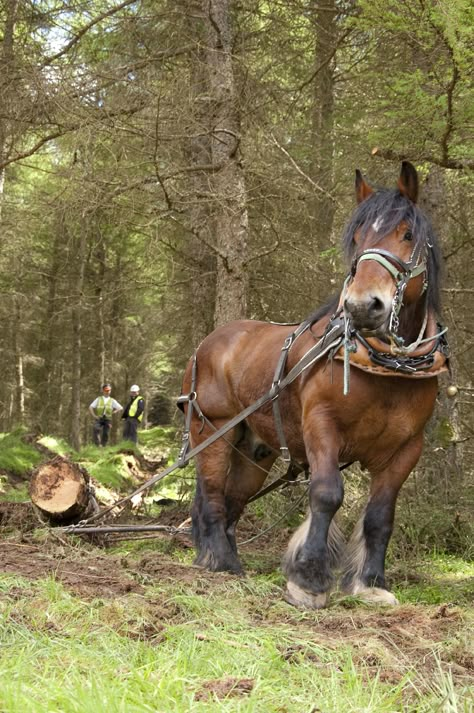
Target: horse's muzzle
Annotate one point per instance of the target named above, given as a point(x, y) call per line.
point(369, 316)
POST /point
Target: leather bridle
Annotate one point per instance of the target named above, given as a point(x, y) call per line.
point(401, 271)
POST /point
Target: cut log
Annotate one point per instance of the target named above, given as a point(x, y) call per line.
point(61, 492)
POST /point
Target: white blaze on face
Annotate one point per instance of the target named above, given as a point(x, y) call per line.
point(377, 225)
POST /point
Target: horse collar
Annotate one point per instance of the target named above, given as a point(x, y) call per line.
point(427, 357)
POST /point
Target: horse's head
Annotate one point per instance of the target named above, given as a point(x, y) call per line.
point(393, 255)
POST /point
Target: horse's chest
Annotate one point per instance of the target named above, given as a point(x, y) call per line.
point(373, 421)
point(386, 419)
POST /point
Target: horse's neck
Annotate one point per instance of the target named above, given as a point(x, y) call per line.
point(411, 320)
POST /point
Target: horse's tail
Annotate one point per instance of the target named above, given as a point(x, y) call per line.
point(185, 398)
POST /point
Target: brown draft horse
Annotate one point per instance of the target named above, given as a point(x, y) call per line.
point(380, 422)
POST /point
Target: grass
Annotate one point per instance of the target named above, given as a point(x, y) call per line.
point(185, 642)
point(442, 578)
point(173, 647)
point(111, 471)
point(157, 437)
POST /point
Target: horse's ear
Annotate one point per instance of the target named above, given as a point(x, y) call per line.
point(408, 181)
point(363, 190)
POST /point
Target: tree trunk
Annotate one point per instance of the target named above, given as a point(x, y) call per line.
point(100, 312)
point(60, 490)
point(6, 84)
point(322, 129)
point(230, 205)
point(76, 320)
point(50, 399)
point(19, 370)
point(199, 152)
point(445, 430)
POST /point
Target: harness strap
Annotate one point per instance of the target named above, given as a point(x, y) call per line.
point(190, 399)
point(388, 260)
point(275, 388)
point(406, 363)
point(377, 257)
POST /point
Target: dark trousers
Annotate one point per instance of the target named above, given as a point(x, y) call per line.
point(100, 433)
point(130, 428)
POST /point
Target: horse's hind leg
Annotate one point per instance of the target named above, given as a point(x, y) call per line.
point(209, 512)
point(364, 565)
point(312, 550)
point(229, 473)
point(247, 475)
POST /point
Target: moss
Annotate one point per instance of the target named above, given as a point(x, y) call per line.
point(57, 445)
point(444, 433)
point(16, 456)
point(111, 471)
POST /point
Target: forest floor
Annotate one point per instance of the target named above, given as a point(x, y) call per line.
point(132, 626)
point(414, 657)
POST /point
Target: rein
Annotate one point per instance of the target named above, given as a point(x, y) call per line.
point(330, 341)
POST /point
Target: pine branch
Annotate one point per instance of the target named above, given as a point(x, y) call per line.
point(452, 163)
point(79, 35)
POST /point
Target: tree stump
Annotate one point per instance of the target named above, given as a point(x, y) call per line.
point(61, 493)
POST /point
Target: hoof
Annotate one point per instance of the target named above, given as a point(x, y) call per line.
point(303, 599)
point(375, 595)
point(214, 564)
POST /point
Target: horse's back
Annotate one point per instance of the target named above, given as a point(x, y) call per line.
point(237, 351)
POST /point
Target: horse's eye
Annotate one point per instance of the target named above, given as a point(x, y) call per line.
point(408, 235)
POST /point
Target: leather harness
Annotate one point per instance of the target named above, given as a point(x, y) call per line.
point(425, 358)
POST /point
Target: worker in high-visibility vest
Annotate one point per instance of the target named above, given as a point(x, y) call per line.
point(133, 414)
point(102, 409)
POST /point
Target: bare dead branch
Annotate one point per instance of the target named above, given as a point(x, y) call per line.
point(35, 147)
point(301, 172)
point(458, 290)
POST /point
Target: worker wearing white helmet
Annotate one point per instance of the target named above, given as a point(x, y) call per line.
point(133, 414)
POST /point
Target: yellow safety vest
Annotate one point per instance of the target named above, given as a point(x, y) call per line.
point(104, 409)
point(134, 407)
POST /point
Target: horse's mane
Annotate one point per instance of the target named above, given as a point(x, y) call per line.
point(388, 208)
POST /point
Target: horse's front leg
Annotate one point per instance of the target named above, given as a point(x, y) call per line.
point(313, 549)
point(364, 565)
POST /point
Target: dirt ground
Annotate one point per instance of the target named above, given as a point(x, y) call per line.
point(407, 635)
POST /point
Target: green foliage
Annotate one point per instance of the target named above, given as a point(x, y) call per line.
point(421, 66)
point(17, 456)
point(443, 433)
point(159, 437)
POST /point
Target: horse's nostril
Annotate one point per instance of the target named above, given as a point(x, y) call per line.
point(376, 305)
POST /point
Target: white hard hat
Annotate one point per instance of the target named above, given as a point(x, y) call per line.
point(135, 387)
